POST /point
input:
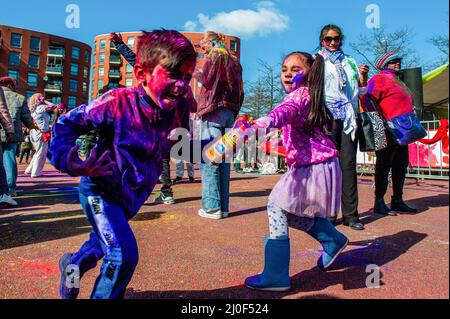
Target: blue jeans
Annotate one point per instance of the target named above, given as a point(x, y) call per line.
point(111, 239)
point(3, 183)
point(216, 178)
point(10, 163)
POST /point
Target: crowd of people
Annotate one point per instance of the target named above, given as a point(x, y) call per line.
point(317, 122)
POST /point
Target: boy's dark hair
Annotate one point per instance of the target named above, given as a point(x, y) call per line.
point(157, 45)
point(8, 82)
point(319, 115)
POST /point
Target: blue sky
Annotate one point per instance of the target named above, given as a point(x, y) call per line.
point(284, 25)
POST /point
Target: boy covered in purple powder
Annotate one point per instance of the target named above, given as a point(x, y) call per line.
point(123, 168)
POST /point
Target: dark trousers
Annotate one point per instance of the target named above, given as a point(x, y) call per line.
point(23, 152)
point(395, 157)
point(166, 188)
point(347, 160)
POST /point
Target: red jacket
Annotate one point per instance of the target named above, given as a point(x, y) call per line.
point(390, 94)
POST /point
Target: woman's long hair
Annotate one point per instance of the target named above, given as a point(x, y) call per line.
point(33, 101)
point(318, 115)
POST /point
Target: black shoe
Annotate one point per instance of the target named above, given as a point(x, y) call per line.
point(400, 205)
point(178, 179)
point(354, 224)
point(381, 208)
point(191, 179)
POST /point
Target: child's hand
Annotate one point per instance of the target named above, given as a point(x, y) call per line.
point(91, 166)
point(262, 123)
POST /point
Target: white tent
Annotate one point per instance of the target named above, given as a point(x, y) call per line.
point(435, 91)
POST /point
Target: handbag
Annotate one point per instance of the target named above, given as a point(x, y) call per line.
point(371, 135)
point(406, 129)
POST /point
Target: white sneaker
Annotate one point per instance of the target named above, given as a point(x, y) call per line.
point(225, 214)
point(216, 214)
point(6, 199)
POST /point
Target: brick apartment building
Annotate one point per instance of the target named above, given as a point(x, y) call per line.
point(110, 70)
point(45, 63)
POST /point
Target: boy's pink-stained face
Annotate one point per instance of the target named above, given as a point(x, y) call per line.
point(167, 88)
point(293, 72)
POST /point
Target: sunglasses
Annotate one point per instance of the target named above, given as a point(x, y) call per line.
point(395, 62)
point(329, 39)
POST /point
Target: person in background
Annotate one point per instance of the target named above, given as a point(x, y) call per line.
point(25, 147)
point(41, 134)
point(6, 123)
point(392, 98)
point(20, 114)
point(220, 101)
point(344, 82)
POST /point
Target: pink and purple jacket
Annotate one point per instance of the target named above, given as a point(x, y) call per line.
point(301, 149)
point(135, 131)
point(390, 94)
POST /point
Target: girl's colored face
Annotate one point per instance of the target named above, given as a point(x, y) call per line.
point(293, 71)
point(41, 99)
point(167, 88)
point(332, 40)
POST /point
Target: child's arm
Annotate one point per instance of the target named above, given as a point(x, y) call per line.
point(123, 49)
point(284, 113)
point(99, 113)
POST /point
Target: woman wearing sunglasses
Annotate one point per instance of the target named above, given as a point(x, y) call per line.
point(344, 82)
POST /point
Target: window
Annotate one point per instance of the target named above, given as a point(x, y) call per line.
point(101, 57)
point(112, 85)
point(72, 102)
point(33, 61)
point(73, 85)
point(84, 87)
point(86, 56)
point(101, 70)
point(32, 79)
point(102, 44)
point(29, 93)
point(14, 58)
point(128, 82)
point(75, 53)
point(74, 69)
point(86, 72)
point(14, 74)
point(130, 42)
point(16, 40)
point(56, 99)
point(233, 45)
point(100, 84)
point(129, 69)
point(35, 44)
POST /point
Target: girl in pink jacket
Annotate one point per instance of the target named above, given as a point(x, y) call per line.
point(310, 192)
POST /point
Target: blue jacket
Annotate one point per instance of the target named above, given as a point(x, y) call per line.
point(134, 130)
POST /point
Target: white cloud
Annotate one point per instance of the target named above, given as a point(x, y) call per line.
point(243, 23)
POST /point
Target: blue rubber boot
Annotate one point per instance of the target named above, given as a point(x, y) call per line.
point(333, 242)
point(275, 276)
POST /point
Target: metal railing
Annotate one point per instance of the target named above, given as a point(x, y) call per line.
point(425, 161)
point(54, 68)
point(56, 51)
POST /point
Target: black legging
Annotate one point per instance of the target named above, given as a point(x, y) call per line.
point(396, 157)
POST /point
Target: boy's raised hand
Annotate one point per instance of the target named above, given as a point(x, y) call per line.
point(91, 166)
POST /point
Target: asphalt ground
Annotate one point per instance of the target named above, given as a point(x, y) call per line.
point(182, 255)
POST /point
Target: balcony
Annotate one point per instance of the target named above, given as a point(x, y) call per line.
point(54, 70)
point(113, 59)
point(53, 88)
point(112, 47)
point(114, 74)
point(57, 52)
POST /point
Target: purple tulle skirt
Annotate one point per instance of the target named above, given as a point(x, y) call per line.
point(310, 191)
